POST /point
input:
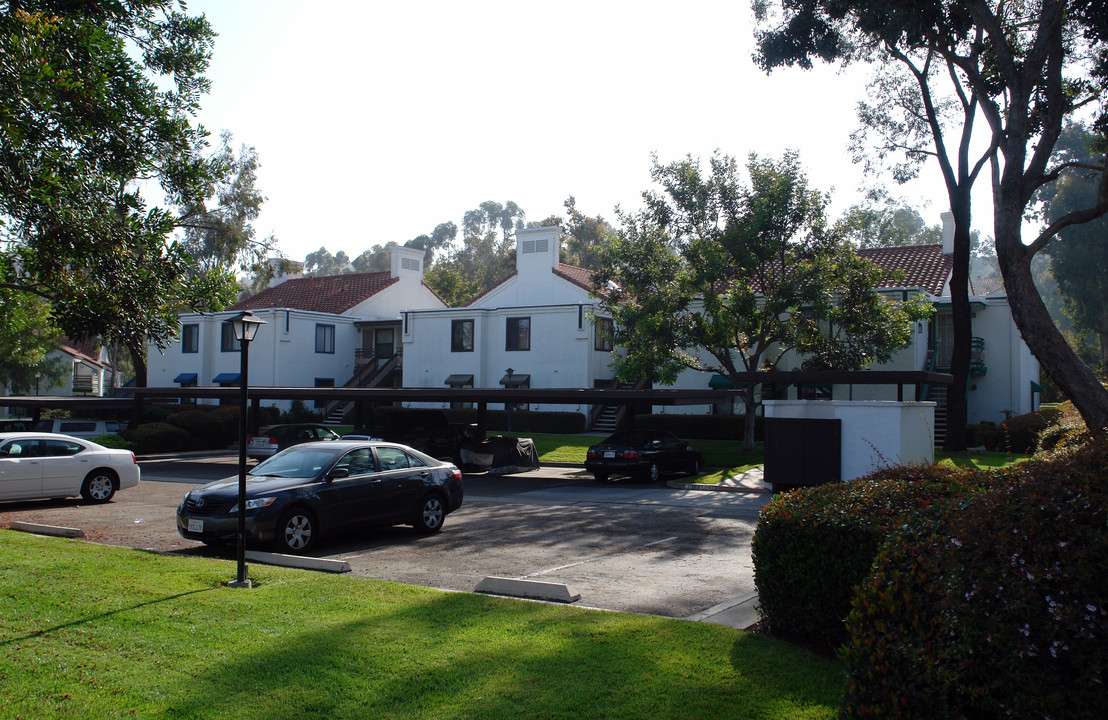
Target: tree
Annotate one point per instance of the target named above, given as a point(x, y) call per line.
point(1026, 68)
point(721, 277)
point(95, 99)
point(26, 339)
point(1080, 254)
point(888, 224)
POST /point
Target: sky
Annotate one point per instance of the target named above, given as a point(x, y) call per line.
point(376, 121)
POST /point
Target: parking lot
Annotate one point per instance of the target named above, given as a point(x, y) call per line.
point(624, 546)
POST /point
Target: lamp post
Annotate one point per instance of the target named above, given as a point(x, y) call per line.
point(246, 326)
point(509, 405)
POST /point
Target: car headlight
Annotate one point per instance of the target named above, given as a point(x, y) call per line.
point(255, 503)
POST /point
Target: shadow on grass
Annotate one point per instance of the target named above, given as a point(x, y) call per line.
point(463, 655)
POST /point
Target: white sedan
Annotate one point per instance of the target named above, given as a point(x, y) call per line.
point(48, 465)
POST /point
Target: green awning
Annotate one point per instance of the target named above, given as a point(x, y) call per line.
point(516, 380)
point(459, 380)
point(1036, 387)
point(721, 382)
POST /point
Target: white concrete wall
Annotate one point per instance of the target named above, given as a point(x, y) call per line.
point(874, 434)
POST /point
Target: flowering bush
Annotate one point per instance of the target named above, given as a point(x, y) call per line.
point(814, 546)
point(996, 607)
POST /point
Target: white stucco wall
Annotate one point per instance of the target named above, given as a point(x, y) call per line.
point(874, 434)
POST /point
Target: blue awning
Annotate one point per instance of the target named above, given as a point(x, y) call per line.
point(226, 378)
point(720, 382)
point(185, 379)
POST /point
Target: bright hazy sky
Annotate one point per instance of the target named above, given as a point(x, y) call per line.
point(376, 121)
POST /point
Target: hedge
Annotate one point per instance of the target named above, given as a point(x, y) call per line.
point(996, 607)
point(158, 437)
point(814, 546)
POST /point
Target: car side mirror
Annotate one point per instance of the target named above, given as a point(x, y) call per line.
point(338, 473)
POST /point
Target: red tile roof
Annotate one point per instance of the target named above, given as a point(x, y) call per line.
point(924, 266)
point(328, 293)
point(576, 275)
point(87, 349)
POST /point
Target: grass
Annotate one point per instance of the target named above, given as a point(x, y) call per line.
point(981, 459)
point(572, 449)
point(94, 631)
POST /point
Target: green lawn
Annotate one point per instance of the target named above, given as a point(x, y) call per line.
point(94, 631)
point(572, 449)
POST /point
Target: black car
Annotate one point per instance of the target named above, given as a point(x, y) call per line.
point(271, 440)
point(314, 488)
point(642, 453)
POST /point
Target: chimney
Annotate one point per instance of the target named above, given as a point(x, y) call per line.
point(406, 261)
point(538, 248)
point(948, 233)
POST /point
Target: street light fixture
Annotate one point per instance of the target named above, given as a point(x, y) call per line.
point(509, 405)
point(246, 326)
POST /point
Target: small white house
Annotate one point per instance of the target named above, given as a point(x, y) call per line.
point(534, 329)
point(327, 331)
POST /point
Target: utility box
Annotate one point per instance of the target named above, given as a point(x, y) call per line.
point(802, 451)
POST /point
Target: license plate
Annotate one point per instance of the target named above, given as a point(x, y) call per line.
point(196, 525)
point(609, 454)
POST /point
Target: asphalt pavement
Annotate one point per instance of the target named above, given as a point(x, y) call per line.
point(680, 550)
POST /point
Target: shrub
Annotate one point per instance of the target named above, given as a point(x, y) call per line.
point(1021, 433)
point(1069, 431)
point(114, 441)
point(205, 428)
point(813, 547)
point(158, 438)
point(298, 412)
point(997, 607)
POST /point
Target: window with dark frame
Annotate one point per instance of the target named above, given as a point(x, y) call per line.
point(227, 341)
point(518, 334)
point(325, 339)
point(190, 338)
point(461, 336)
point(604, 327)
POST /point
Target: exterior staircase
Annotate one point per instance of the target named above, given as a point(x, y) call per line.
point(607, 418)
point(938, 396)
point(370, 374)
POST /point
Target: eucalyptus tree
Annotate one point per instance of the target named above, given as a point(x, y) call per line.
point(723, 277)
point(1024, 69)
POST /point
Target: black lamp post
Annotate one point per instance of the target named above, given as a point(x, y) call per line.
point(246, 326)
point(509, 405)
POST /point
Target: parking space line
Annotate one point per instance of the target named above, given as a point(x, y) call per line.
point(595, 558)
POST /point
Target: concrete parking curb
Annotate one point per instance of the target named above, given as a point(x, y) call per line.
point(717, 487)
point(51, 530)
point(538, 590)
point(296, 561)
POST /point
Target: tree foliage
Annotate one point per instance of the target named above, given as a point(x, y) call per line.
point(97, 99)
point(724, 277)
point(1022, 67)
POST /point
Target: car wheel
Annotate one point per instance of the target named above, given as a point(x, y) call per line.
point(601, 477)
point(654, 473)
point(99, 486)
point(430, 516)
point(296, 531)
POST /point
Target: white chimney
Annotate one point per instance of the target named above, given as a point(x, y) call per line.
point(948, 233)
point(405, 260)
point(538, 248)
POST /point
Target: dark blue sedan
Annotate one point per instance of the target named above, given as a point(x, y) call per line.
point(314, 488)
point(647, 454)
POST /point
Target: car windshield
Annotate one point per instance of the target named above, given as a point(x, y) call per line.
point(296, 462)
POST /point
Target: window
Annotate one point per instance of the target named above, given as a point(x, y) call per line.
point(602, 331)
point(519, 334)
point(325, 339)
point(227, 341)
point(190, 338)
point(461, 336)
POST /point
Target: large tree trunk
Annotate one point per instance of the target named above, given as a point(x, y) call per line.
point(751, 413)
point(138, 357)
point(1055, 356)
point(956, 409)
